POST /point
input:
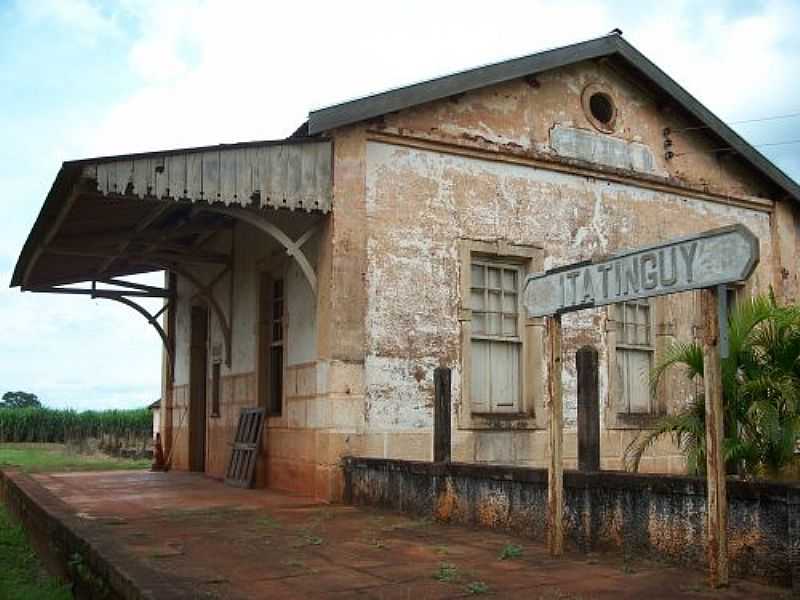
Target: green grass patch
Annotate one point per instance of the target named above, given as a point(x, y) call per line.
point(33, 458)
point(446, 573)
point(21, 574)
point(510, 552)
point(477, 587)
point(268, 522)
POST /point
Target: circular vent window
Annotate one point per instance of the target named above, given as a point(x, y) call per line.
point(599, 108)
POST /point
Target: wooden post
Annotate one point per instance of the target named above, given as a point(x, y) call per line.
point(717, 505)
point(586, 362)
point(441, 415)
point(555, 474)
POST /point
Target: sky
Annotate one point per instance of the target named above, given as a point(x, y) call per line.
point(82, 78)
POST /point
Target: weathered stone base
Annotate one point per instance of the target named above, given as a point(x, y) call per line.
point(661, 516)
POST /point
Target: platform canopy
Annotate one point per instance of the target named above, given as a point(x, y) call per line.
point(114, 216)
point(122, 215)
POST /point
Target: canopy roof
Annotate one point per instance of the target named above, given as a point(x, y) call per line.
point(121, 215)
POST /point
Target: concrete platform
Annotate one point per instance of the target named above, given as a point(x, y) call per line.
point(180, 535)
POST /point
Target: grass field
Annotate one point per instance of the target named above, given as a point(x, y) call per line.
point(34, 458)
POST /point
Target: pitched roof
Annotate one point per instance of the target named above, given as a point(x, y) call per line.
point(612, 45)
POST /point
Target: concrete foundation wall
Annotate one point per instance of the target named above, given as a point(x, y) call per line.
point(662, 517)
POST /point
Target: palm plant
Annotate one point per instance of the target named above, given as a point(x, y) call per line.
point(761, 393)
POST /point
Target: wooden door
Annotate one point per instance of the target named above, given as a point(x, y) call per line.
point(198, 365)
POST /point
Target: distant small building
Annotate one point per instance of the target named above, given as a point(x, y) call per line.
point(155, 408)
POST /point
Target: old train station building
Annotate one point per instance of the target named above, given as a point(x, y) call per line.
point(325, 276)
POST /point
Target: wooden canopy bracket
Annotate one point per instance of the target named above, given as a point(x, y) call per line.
point(206, 292)
point(152, 319)
point(293, 247)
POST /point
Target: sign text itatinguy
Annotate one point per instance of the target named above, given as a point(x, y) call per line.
point(708, 259)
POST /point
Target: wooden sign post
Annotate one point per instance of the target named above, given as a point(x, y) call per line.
point(706, 261)
point(555, 474)
point(717, 502)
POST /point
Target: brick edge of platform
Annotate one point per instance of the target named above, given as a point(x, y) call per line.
point(58, 534)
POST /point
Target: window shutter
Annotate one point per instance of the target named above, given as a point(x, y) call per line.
point(479, 376)
point(505, 376)
point(637, 371)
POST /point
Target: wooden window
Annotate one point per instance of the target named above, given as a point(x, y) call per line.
point(276, 350)
point(496, 341)
point(271, 344)
point(215, 388)
point(635, 348)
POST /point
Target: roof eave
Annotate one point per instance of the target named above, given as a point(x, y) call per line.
point(704, 115)
point(67, 176)
point(362, 109)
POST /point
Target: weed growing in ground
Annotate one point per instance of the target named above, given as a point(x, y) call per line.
point(206, 514)
point(313, 540)
point(268, 522)
point(477, 587)
point(557, 594)
point(307, 539)
point(447, 573)
point(510, 552)
point(296, 563)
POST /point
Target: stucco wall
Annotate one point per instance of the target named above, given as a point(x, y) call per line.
point(421, 202)
point(521, 163)
point(521, 117)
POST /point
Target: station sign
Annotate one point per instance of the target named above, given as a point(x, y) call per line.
point(716, 257)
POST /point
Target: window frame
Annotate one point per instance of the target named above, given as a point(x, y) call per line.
point(266, 343)
point(530, 333)
point(216, 388)
point(619, 415)
point(648, 347)
point(503, 265)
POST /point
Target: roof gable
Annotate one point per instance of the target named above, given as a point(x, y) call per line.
point(612, 45)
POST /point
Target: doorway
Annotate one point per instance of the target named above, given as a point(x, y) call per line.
point(198, 375)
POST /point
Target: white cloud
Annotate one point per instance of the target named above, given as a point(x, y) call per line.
point(738, 67)
point(217, 72)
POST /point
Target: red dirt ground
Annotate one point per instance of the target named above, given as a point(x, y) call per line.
point(222, 542)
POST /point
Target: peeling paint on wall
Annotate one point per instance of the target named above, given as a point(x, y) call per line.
point(420, 203)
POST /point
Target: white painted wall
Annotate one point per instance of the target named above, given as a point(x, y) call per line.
point(254, 251)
